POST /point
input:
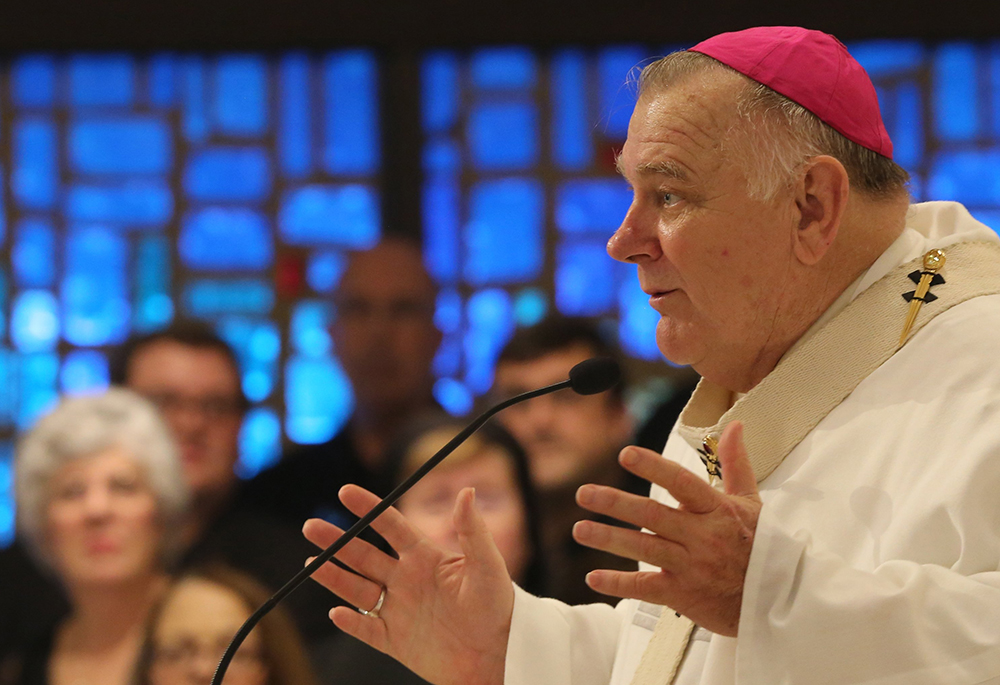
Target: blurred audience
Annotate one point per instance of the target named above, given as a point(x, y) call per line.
point(193, 377)
point(191, 628)
point(494, 464)
point(570, 440)
point(100, 497)
point(385, 338)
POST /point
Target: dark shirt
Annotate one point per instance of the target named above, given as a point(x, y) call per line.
point(305, 483)
point(346, 661)
point(30, 665)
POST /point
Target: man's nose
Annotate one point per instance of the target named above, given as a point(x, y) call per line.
point(635, 240)
point(97, 503)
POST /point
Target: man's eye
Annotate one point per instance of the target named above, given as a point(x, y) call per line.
point(669, 199)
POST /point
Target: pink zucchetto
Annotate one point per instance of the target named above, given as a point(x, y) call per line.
point(811, 68)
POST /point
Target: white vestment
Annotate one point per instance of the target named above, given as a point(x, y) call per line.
point(877, 553)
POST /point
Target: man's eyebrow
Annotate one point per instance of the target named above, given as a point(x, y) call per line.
point(663, 168)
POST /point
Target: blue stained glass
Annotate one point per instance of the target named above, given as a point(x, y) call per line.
point(134, 202)
point(260, 442)
point(448, 311)
point(257, 384)
point(154, 306)
point(318, 399)
point(442, 156)
point(10, 387)
point(453, 396)
point(39, 373)
point(35, 174)
point(195, 119)
point(6, 497)
point(294, 122)
point(226, 239)
point(310, 329)
point(3, 303)
point(256, 342)
point(884, 57)
point(908, 132)
point(346, 216)
point(637, 321)
point(955, 92)
point(120, 145)
point(616, 88)
point(34, 321)
point(572, 147)
point(240, 95)
point(439, 81)
point(491, 322)
point(442, 251)
point(502, 68)
point(210, 298)
point(324, 269)
point(990, 217)
point(994, 76)
point(592, 205)
point(240, 174)
point(33, 81)
point(503, 135)
point(3, 214)
point(163, 76)
point(504, 238)
point(94, 288)
point(448, 360)
point(971, 177)
point(84, 371)
point(106, 80)
point(530, 306)
point(33, 254)
point(351, 121)
point(585, 280)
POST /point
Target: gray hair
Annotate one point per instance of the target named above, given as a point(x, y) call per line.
point(776, 136)
point(82, 426)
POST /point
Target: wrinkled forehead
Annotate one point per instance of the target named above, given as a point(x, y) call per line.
point(695, 114)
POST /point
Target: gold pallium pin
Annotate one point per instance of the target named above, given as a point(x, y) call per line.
point(925, 278)
point(710, 458)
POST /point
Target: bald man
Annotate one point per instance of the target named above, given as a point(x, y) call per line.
point(825, 510)
point(385, 338)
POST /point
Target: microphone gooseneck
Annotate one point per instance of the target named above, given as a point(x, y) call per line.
point(589, 377)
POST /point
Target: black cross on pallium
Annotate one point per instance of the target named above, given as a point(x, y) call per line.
point(936, 279)
point(711, 462)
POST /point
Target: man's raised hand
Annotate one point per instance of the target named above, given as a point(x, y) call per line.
point(445, 616)
point(702, 547)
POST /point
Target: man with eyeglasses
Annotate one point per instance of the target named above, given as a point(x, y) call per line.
point(385, 338)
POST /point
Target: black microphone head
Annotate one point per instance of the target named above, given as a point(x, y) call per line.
point(592, 376)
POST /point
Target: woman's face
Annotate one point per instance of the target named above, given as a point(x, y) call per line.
point(430, 503)
point(198, 620)
point(103, 523)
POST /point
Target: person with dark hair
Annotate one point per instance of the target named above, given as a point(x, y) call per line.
point(492, 462)
point(198, 616)
point(385, 339)
point(569, 439)
point(193, 377)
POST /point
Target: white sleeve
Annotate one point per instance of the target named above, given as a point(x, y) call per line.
point(552, 643)
point(809, 617)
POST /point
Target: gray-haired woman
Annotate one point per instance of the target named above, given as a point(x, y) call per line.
point(99, 495)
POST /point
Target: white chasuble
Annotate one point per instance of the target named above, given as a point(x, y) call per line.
point(877, 553)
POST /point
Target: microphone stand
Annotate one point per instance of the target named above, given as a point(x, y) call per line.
point(366, 521)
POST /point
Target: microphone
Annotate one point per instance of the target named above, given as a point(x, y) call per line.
point(589, 377)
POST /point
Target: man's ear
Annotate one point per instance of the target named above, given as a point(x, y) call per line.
point(821, 198)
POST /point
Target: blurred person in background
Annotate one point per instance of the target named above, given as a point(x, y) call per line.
point(189, 631)
point(193, 377)
point(100, 497)
point(570, 440)
point(385, 338)
point(492, 462)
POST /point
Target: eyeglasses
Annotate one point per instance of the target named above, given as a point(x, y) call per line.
point(186, 654)
point(211, 407)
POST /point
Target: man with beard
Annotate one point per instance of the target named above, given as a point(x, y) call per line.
point(385, 338)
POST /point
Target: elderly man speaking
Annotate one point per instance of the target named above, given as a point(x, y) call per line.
point(826, 508)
